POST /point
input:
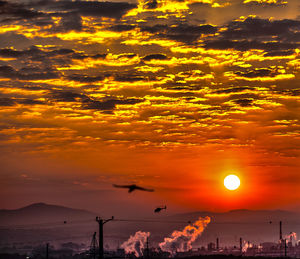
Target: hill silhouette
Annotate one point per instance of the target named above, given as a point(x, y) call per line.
point(39, 213)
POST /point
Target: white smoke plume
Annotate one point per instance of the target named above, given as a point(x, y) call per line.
point(291, 236)
point(136, 243)
point(246, 246)
point(181, 241)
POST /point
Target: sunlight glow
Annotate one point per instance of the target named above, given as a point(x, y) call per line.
point(231, 182)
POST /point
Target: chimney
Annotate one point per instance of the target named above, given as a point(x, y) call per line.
point(280, 230)
point(241, 244)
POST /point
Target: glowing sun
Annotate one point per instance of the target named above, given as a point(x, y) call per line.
point(232, 182)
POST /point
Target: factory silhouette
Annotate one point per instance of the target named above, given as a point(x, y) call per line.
point(179, 244)
point(285, 247)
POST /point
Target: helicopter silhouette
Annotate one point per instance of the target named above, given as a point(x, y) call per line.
point(133, 187)
point(159, 209)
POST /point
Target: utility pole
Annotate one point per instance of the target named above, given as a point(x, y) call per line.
point(101, 222)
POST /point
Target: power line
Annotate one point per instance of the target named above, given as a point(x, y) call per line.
point(53, 223)
point(76, 222)
point(191, 221)
point(151, 221)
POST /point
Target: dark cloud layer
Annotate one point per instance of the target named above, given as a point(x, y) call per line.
point(278, 3)
point(243, 45)
point(86, 78)
point(181, 32)
point(121, 27)
point(34, 52)
point(257, 27)
point(234, 89)
point(124, 77)
point(6, 101)
point(28, 73)
point(16, 11)
point(106, 104)
point(257, 33)
point(243, 102)
point(70, 22)
point(279, 53)
point(87, 8)
point(259, 72)
point(155, 56)
point(37, 12)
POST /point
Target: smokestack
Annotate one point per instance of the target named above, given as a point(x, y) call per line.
point(147, 247)
point(280, 230)
point(285, 247)
point(217, 243)
point(47, 250)
point(241, 244)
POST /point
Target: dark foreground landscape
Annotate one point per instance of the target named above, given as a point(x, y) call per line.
point(17, 256)
point(50, 231)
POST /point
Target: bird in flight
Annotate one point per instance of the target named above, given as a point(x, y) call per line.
point(159, 209)
point(133, 187)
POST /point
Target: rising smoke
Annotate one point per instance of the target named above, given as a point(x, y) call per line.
point(136, 243)
point(246, 245)
point(291, 236)
point(181, 241)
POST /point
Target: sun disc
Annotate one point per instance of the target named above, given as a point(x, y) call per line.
point(232, 182)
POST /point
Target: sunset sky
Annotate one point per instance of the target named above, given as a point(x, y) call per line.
point(169, 95)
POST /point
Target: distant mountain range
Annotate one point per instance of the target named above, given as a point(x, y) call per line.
point(39, 213)
point(40, 222)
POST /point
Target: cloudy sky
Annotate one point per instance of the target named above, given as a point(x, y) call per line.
point(170, 95)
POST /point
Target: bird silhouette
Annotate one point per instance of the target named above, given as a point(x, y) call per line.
point(133, 187)
point(159, 209)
